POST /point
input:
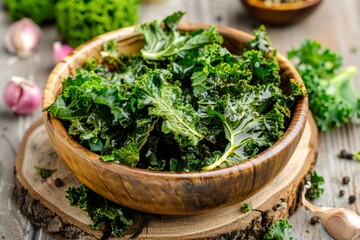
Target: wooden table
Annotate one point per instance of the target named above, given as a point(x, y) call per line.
point(336, 24)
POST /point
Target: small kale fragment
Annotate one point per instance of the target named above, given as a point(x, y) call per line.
point(246, 207)
point(279, 230)
point(316, 182)
point(44, 172)
point(356, 155)
point(105, 215)
point(333, 99)
point(246, 128)
point(164, 100)
point(261, 41)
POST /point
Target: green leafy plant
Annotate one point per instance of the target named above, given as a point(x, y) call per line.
point(316, 182)
point(40, 11)
point(107, 216)
point(279, 230)
point(183, 92)
point(80, 20)
point(357, 156)
point(44, 172)
point(246, 207)
point(333, 99)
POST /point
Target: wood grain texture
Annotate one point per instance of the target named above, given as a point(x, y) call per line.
point(165, 192)
point(46, 206)
point(280, 14)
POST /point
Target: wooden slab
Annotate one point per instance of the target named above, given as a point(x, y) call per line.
point(46, 206)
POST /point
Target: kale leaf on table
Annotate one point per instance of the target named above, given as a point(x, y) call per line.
point(279, 230)
point(333, 99)
point(184, 103)
point(112, 218)
point(44, 172)
point(246, 207)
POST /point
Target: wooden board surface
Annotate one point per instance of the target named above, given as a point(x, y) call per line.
point(46, 206)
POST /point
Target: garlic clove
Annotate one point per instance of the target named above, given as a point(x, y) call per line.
point(341, 223)
point(60, 51)
point(23, 37)
point(338, 224)
point(22, 96)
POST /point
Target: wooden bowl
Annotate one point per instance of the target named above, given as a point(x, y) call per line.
point(280, 13)
point(169, 193)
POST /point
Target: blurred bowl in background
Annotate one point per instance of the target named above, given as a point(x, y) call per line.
point(280, 13)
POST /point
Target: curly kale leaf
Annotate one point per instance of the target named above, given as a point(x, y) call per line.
point(312, 53)
point(129, 153)
point(87, 91)
point(261, 41)
point(316, 182)
point(248, 126)
point(279, 230)
point(105, 215)
point(216, 68)
point(356, 156)
point(333, 99)
point(246, 207)
point(96, 111)
point(163, 39)
point(264, 70)
point(164, 100)
point(44, 172)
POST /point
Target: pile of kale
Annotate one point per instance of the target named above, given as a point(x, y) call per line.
point(184, 103)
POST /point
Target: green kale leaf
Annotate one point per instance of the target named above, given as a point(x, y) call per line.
point(333, 99)
point(246, 207)
point(163, 39)
point(164, 101)
point(356, 155)
point(248, 125)
point(316, 182)
point(261, 41)
point(129, 153)
point(44, 172)
point(112, 218)
point(279, 230)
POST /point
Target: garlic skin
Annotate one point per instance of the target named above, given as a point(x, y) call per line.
point(22, 96)
point(60, 51)
point(23, 37)
point(341, 223)
point(338, 224)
